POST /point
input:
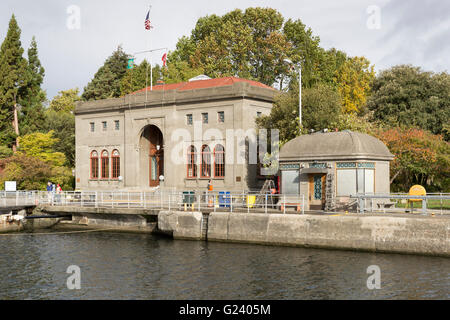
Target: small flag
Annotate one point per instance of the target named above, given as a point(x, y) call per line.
point(164, 59)
point(148, 25)
point(130, 64)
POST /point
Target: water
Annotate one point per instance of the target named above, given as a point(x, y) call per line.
point(130, 266)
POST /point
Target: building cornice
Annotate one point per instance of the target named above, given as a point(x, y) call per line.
point(240, 90)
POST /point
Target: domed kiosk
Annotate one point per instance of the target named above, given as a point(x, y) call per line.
point(329, 167)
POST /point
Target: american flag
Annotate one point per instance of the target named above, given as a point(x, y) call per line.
point(148, 25)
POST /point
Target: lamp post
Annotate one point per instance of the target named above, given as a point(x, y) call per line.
point(299, 69)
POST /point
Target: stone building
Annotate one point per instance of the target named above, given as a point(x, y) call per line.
point(177, 136)
point(329, 167)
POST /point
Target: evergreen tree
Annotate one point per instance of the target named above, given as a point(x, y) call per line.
point(32, 97)
point(106, 82)
point(13, 75)
point(139, 77)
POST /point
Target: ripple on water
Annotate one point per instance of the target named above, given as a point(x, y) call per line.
point(129, 266)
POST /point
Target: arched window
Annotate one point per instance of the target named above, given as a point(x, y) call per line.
point(94, 165)
point(219, 161)
point(105, 164)
point(115, 162)
point(206, 162)
point(192, 162)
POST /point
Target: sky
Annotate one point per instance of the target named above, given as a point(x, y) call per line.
point(75, 37)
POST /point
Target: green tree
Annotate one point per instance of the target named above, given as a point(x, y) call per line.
point(106, 82)
point(139, 77)
point(63, 124)
point(406, 95)
point(248, 44)
point(321, 106)
point(179, 71)
point(305, 50)
point(65, 101)
point(32, 97)
point(5, 152)
point(32, 173)
point(354, 80)
point(41, 145)
point(13, 77)
point(61, 120)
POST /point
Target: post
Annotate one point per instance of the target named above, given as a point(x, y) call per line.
point(303, 204)
point(96, 199)
point(300, 97)
point(284, 204)
point(361, 205)
point(265, 210)
point(424, 206)
point(231, 202)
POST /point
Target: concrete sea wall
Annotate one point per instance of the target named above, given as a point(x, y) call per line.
point(412, 235)
point(424, 235)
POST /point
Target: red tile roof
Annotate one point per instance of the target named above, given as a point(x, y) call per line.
point(202, 84)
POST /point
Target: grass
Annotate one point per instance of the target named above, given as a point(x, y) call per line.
point(432, 204)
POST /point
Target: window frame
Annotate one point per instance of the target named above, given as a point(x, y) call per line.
point(104, 159)
point(219, 120)
point(115, 164)
point(191, 162)
point(205, 118)
point(189, 119)
point(96, 160)
point(219, 167)
point(206, 165)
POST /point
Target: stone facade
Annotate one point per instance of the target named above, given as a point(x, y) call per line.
point(149, 134)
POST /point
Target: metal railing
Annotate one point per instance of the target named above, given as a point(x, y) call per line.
point(160, 200)
point(398, 202)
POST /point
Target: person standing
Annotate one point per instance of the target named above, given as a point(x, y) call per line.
point(58, 193)
point(49, 192)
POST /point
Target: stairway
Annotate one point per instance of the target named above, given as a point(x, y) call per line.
point(205, 218)
point(265, 190)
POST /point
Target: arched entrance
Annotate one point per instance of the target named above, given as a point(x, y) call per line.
point(152, 156)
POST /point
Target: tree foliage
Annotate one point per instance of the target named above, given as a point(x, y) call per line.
point(32, 173)
point(354, 80)
point(13, 77)
point(420, 158)
point(406, 95)
point(106, 82)
point(65, 101)
point(32, 97)
point(139, 77)
point(321, 106)
point(61, 120)
point(41, 145)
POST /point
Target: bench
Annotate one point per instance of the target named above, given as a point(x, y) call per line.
point(291, 204)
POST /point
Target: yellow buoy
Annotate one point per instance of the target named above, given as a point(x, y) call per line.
point(417, 191)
